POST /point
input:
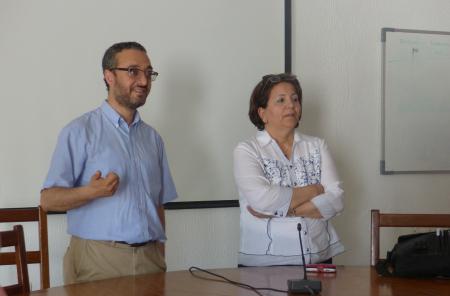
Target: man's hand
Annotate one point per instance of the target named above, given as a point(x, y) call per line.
point(103, 187)
point(64, 198)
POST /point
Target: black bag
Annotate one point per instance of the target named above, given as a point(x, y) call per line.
point(418, 255)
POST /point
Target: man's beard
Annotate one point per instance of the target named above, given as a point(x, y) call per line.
point(128, 103)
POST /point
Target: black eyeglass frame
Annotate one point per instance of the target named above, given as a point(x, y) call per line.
point(149, 73)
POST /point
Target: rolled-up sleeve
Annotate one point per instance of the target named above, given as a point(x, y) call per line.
point(330, 203)
point(67, 160)
point(254, 187)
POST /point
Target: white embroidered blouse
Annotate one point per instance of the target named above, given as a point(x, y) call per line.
point(264, 178)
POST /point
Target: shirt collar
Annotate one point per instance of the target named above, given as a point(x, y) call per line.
point(264, 137)
point(115, 117)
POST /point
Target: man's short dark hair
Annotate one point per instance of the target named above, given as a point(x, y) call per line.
point(109, 58)
point(261, 92)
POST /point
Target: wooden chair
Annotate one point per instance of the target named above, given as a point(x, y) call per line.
point(36, 214)
point(14, 238)
point(400, 220)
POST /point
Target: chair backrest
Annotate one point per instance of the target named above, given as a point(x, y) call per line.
point(36, 214)
point(379, 220)
point(14, 238)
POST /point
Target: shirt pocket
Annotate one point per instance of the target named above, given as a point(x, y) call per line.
point(106, 160)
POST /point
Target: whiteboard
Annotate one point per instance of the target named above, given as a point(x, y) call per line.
point(415, 101)
point(209, 53)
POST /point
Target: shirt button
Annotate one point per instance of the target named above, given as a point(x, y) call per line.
point(307, 249)
point(290, 166)
point(295, 183)
point(306, 233)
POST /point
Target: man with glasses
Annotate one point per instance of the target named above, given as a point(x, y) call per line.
point(110, 173)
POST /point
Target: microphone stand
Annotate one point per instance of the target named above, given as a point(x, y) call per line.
point(303, 286)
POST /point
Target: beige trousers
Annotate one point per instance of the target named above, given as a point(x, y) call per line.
point(90, 260)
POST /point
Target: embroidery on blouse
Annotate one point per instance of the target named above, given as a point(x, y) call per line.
point(306, 170)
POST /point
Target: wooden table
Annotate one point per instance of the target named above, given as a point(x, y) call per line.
point(347, 281)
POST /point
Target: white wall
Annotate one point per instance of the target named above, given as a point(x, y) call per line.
point(337, 56)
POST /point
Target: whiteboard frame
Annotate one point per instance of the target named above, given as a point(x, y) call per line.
point(383, 170)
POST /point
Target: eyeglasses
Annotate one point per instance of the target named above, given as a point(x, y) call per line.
point(276, 78)
point(133, 72)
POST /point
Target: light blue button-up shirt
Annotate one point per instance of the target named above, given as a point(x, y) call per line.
point(101, 140)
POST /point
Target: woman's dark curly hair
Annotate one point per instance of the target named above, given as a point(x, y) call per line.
point(261, 92)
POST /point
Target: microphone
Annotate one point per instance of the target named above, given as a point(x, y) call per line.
point(303, 286)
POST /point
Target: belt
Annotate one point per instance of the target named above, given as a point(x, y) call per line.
point(135, 245)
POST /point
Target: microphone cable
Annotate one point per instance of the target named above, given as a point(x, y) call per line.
point(223, 279)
